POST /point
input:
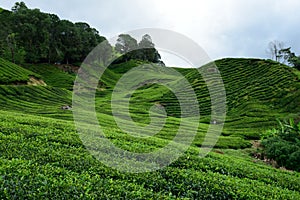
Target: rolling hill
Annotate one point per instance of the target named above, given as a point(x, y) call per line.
point(22, 90)
point(42, 156)
point(12, 74)
point(257, 93)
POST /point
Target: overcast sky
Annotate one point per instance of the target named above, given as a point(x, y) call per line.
point(223, 28)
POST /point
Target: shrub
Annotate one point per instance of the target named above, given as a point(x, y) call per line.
point(283, 145)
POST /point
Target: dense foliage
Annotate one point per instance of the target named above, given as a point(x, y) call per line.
point(290, 57)
point(283, 145)
point(33, 36)
point(280, 53)
point(131, 49)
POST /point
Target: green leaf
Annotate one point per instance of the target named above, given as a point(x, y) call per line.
point(292, 123)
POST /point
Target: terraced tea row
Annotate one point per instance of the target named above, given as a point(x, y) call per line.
point(14, 74)
point(44, 158)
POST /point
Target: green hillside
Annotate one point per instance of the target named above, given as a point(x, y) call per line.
point(42, 156)
point(24, 91)
point(264, 83)
point(37, 100)
point(53, 76)
point(257, 92)
point(14, 74)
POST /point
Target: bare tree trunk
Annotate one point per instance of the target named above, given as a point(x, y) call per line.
point(12, 55)
point(11, 44)
point(274, 50)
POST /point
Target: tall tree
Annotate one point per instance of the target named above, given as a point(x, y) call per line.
point(19, 6)
point(32, 27)
point(6, 24)
point(11, 43)
point(126, 46)
point(13, 52)
point(144, 50)
point(89, 38)
point(147, 50)
point(125, 43)
point(55, 53)
point(274, 48)
point(290, 57)
point(70, 40)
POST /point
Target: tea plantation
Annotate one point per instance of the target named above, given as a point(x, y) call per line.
point(42, 156)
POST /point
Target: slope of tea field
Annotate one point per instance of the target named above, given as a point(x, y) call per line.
point(42, 156)
point(13, 74)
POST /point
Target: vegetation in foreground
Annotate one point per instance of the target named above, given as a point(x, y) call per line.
point(282, 145)
point(44, 158)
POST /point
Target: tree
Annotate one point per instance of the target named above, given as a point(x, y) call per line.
point(274, 48)
point(33, 28)
point(11, 43)
point(146, 42)
point(290, 57)
point(13, 53)
point(44, 37)
point(55, 53)
point(6, 24)
point(147, 50)
point(19, 6)
point(144, 50)
point(125, 43)
point(89, 38)
point(295, 62)
point(283, 54)
point(69, 37)
point(103, 54)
